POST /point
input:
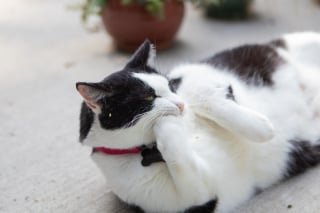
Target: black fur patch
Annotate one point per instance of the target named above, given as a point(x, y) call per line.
point(255, 64)
point(150, 156)
point(86, 120)
point(279, 43)
point(206, 208)
point(174, 84)
point(136, 209)
point(302, 156)
point(128, 100)
point(230, 94)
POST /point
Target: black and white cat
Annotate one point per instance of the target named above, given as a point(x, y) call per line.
point(210, 134)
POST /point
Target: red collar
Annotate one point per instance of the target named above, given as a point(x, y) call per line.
point(109, 151)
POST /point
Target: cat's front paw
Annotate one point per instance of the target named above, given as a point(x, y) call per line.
point(171, 137)
point(167, 124)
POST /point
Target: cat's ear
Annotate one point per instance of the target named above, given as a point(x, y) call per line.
point(92, 93)
point(143, 56)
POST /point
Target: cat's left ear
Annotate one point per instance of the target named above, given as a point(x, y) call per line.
point(143, 56)
point(92, 93)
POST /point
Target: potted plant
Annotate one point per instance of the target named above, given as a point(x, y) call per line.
point(225, 9)
point(130, 22)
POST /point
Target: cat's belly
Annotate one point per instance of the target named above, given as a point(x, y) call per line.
point(238, 168)
point(310, 86)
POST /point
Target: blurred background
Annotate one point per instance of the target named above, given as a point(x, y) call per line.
point(46, 46)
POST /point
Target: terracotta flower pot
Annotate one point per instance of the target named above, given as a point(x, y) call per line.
point(130, 25)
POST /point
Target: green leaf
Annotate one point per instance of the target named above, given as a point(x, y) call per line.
point(91, 7)
point(99, 3)
point(155, 7)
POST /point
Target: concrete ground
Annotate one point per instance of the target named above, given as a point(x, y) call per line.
point(44, 50)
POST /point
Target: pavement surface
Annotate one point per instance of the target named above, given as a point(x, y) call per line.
point(44, 50)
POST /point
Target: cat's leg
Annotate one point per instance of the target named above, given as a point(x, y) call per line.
point(219, 104)
point(186, 168)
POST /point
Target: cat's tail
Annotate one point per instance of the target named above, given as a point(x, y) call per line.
point(303, 155)
point(302, 47)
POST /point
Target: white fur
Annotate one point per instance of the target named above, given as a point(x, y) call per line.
point(210, 102)
point(209, 150)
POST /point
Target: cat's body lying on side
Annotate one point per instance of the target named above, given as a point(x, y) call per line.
point(238, 122)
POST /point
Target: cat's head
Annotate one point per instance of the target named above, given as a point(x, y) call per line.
point(119, 111)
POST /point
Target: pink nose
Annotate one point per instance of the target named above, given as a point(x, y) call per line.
point(180, 106)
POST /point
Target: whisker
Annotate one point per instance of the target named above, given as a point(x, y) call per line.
point(137, 117)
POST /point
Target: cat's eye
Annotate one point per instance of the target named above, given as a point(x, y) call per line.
point(149, 98)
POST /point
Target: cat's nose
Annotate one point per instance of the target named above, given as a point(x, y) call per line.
point(180, 106)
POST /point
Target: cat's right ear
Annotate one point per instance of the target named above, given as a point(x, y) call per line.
point(92, 93)
point(143, 56)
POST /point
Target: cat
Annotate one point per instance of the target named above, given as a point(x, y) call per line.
point(210, 134)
